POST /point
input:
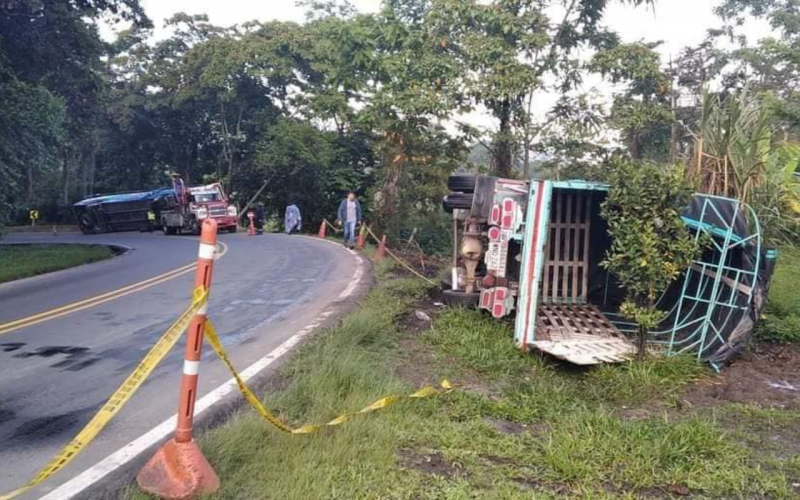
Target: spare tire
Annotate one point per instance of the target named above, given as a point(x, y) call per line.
point(462, 183)
point(460, 299)
point(457, 200)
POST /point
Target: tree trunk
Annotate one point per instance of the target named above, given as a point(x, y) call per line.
point(641, 348)
point(65, 177)
point(30, 184)
point(501, 150)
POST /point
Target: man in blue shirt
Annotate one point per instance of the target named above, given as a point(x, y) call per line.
point(349, 216)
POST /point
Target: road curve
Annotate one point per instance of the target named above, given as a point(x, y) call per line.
point(56, 373)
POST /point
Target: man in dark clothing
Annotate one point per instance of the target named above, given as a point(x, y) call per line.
point(259, 219)
point(349, 216)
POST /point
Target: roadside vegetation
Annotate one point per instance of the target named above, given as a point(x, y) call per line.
point(516, 425)
point(781, 319)
point(23, 261)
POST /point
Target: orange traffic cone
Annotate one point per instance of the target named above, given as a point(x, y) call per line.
point(362, 238)
point(381, 253)
point(322, 229)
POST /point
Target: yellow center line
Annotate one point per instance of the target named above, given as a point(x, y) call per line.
point(102, 298)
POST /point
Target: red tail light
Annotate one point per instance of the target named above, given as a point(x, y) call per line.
point(494, 218)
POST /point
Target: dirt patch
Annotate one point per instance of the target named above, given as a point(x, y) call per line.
point(767, 375)
point(431, 463)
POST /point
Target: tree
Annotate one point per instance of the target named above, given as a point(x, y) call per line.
point(51, 59)
point(650, 244)
point(772, 65)
point(511, 49)
point(643, 111)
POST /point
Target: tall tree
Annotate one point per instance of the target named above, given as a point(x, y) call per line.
point(513, 48)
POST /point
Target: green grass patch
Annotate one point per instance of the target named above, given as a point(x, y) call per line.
point(23, 261)
point(516, 427)
point(781, 319)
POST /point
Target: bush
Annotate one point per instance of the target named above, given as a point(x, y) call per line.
point(434, 232)
point(781, 319)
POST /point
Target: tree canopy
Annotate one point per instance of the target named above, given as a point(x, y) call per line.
point(371, 102)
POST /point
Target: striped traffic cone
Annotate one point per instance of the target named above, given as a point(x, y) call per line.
point(178, 469)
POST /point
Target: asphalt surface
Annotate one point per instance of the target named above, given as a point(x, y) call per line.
point(54, 375)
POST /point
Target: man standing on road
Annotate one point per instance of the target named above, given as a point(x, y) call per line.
point(292, 221)
point(349, 216)
point(259, 222)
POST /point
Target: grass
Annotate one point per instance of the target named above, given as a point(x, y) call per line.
point(781, 319)
point(23, 261)
point(516, 427)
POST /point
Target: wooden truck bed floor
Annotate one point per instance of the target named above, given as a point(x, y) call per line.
point(580, 334)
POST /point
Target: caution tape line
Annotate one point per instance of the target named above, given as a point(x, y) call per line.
point(332, 226)
point(119, 397)
point(401, 261)
point(216, 344)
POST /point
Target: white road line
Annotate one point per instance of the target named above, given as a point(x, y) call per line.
point(131, 450)
point(354, 283)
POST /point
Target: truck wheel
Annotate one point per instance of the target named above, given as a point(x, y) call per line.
point(233, 228)
point(167, 230)
point(460, 299)
point(194, 227)
point(462, 183)
point(457, 200)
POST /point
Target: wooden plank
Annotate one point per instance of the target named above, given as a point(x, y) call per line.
point(585, 277)
point(547, 264)
point(578, 214)
point(557, 255)
point(728, 281)
point(567, 247)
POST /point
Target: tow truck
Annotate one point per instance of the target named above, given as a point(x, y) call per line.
point(532, 249)
point(184, 209)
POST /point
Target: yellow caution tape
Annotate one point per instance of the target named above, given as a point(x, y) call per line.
point(401, 261)
point(213, 340)
point(120, 396)
point(333, 227)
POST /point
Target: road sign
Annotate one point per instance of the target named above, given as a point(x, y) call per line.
point(34, 214)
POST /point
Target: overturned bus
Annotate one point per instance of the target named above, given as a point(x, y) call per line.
point(533, 249)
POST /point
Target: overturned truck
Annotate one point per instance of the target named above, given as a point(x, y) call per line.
point(533, 249)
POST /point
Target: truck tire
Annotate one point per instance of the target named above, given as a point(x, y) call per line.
point(233, 228)
point(462, 183)
point(86, 224)
point(194, 227)
point(167, 230)
point(457, 200)
point(460, 299)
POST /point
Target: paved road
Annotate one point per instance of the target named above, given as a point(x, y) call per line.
point(55, 374)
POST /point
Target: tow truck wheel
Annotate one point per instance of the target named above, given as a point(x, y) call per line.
point(457, 200)
point(460, 299)
point(462, 183)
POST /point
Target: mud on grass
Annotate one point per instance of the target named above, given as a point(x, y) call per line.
point(517, 426)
